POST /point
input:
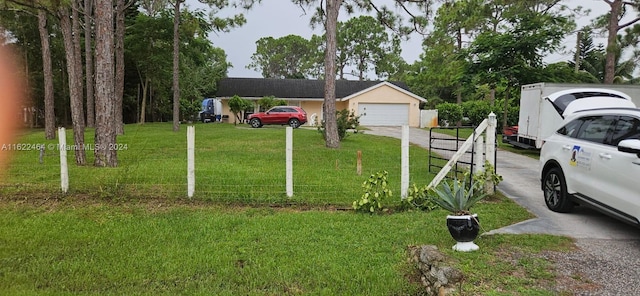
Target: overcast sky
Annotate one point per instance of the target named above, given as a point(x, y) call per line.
point(278, 18)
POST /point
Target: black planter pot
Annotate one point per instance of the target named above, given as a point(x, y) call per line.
point(464, 229)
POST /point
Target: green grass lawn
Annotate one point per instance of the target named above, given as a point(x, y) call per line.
point(89, 247)
point(131, 230)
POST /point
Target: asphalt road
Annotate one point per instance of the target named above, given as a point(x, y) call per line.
point(608, 250)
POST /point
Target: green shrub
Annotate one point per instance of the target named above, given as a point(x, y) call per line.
point(346, 120)
point(271, 101)
point(376, 190)
point(189, 109)
point(476, 111)
point(238, 106)
point(418, 198)
point(512, 114)
point(449, 113)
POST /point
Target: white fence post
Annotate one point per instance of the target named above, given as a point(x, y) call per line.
point(404, 163)
point(478, 156)
point(289, 161)
point(64, 168)
point(191, 168)
point(491, 149)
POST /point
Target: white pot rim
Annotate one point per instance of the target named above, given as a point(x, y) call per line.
point(462, 217)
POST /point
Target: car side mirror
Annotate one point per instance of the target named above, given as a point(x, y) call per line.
point(630, 146)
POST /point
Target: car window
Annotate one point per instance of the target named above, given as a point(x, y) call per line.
point(276, 110)
point(571, 128)
point(596, 129)
point(626, 127)
point(288, 110)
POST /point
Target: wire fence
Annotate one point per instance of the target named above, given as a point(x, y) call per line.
point(231, 164)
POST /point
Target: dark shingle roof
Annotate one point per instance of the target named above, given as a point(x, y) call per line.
point(291, 88)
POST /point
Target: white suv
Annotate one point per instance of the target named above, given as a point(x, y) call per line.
point(594, 160)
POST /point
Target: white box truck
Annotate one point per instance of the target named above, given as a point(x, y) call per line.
point(543, 107)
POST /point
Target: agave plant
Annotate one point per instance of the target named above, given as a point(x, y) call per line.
point(456, 198)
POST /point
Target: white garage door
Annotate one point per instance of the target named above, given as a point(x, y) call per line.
point(384, 114)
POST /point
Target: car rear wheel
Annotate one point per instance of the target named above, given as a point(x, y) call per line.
point(254, 122)
point(555, 191)
point(294, 123)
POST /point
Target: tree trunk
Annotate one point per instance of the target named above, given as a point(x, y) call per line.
point(506, 108)
point(75, 86)
point(612, 42)
point(77, 48)
point(88, 52)
point(119, 86)
point(458, 86)
point(138, 100)
point(105, 137)
point(176, 66)
point(151, 103)
point(332, 139)
point(49, 112)
point(143, 105)
point(361, 68)
point(492, 96)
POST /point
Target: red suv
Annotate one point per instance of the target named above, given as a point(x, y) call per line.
point(290, 115)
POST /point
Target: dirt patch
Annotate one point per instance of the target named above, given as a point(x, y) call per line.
point(51, 202)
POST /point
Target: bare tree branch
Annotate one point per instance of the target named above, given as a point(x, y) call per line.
point(620, 27)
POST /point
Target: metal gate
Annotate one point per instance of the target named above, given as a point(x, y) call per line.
point(443, 145)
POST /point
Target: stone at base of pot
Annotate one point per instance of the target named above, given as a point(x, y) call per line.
point(465, 247)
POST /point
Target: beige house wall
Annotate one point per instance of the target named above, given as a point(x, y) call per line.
point(314, 111)
point(226, 110)
point(388, 95)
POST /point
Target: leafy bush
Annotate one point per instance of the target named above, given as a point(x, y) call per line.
point(376, 189)
point(271, 101)
point(417, 198)
point(189, 109)
point(512, 114)
point(346, 120)
point(488, 174)
point(449, 113)
point(238, 106)
point(476, 111)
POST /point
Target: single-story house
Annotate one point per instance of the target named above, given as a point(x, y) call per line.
point(378, 103)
